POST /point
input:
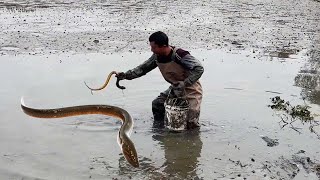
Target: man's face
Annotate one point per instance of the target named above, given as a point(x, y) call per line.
point(155, 48)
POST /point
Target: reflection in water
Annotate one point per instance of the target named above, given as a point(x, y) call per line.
point(309, 78)
point(182, 151)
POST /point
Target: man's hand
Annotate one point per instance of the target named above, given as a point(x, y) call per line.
point(121, 75)
point(179, 89)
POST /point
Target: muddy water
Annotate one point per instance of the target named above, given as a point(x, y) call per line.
point(251, 51)
point(234, 117)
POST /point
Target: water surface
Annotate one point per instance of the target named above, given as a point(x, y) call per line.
point(251, 52)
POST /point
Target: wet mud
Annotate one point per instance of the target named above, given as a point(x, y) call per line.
point(271, 27)
point(251, 51)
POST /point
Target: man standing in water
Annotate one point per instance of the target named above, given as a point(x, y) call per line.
point(180, 69)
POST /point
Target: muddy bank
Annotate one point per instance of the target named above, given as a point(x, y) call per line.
point(275, 28)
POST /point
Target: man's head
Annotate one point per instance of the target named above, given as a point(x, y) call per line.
point(159, 43)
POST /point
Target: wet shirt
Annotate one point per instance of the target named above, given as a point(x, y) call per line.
point(182, 57)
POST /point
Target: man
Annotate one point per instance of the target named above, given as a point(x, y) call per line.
point(180, 69)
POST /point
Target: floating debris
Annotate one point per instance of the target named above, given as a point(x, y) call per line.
point(293, 113)
point(270, 142)
point(299, 111)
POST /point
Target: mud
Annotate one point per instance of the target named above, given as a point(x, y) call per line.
point(290, 167)
point(271, 27)
point(251, 51)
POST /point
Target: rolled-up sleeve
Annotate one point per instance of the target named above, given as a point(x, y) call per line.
point(142, 69)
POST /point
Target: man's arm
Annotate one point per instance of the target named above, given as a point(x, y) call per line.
point(142, 69)
point(189, 62)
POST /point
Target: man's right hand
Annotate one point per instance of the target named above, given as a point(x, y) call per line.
point(121, 75)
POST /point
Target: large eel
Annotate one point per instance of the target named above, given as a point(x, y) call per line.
point(124, 141)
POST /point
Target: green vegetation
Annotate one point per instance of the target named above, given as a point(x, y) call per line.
point(291, 114)
point(299, 111)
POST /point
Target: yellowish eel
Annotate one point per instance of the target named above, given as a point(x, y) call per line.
point(124, 141)
point(106, 83)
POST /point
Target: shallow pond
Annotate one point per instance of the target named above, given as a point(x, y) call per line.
point(235, 115)
point(252, 51)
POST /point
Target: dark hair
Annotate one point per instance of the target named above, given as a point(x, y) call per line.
point(159, 38)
